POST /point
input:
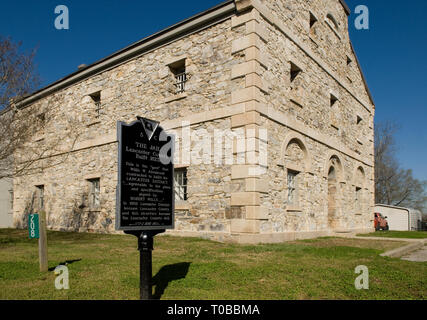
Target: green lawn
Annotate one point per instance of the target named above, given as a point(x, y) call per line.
point(397, 234)
point(107, 267)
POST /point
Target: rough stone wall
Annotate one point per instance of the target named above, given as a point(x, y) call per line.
point(239, 78)
point(301, 108)
point(311, 214)
point(66, 191)
point(143, 87)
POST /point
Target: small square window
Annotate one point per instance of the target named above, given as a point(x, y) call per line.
point(295, 71)
point(349, 61)
point(179, 72)
point(313, 20)
point(96, 98)
point(180, 181)
point(358, 120)
point(333, 100)
point(94, 193)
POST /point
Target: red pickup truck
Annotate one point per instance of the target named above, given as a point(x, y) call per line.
point(380, 222)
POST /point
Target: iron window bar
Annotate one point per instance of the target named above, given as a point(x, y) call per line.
point(180, 185)
point(98, 108)
point(181, 79)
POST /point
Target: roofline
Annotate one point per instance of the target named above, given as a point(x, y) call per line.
point(363, 75)
point(346, 7)
point(188, 26)
point(390, 206)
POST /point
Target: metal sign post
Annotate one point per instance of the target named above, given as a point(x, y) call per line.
point(145, 192)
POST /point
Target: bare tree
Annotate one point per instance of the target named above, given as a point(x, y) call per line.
point(17, 79)
point(393, 184)
point(23, 146)
point(17, 72)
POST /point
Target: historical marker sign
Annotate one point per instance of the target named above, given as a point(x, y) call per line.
point(33, 226)
point(145, 193)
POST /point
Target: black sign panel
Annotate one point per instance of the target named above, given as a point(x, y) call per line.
point(145, 191)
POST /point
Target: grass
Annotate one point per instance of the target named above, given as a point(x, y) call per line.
point(107, 267)
point(397, 234)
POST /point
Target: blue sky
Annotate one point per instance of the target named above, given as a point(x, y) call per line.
point(392, 52)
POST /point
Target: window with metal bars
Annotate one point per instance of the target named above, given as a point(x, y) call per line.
point(94, 193)
point(180, 80)
point(180, 181)
point(179, 72)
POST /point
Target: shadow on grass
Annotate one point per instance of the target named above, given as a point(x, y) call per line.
point(67, 262)
point(168, 274)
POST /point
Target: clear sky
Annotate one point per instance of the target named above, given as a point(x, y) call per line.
point(392, 52)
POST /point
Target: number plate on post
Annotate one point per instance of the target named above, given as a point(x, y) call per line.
point(33, 226)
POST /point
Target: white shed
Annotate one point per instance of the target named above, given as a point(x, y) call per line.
point(399, 218)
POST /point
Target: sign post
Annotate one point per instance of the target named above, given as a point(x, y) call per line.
point(145, 192)
point(37, 230)
point(43, 242)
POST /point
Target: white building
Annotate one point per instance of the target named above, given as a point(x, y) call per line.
point(399, 218)
point(6, 213)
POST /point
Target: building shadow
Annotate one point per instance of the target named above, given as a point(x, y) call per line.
point(168, 274)
point(67, 262)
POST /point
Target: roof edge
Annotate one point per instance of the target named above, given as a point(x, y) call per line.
point(363, 75)
point(391, 206)
point(346, 7)
point(190, 25)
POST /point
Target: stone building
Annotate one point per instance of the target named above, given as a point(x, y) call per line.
point(280, 76)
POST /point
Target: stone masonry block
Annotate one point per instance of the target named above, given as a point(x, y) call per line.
point(256, 213)
point(256, 185)
point(254, 79)
point(253, 53)
point(245, 226)
point(241, 19)
point(247, 94)
point(243, 119)
point(250, 40)
point(245, 199)
point(245, 68)
point(255, 27)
